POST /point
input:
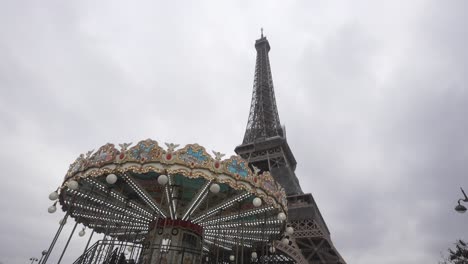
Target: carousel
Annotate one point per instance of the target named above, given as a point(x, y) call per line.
point(148, 204)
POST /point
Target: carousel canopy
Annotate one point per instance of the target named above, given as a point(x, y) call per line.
point(128, 191)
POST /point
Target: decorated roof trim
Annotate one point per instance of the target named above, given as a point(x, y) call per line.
point(192, 161)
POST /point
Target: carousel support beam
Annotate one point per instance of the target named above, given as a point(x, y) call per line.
point(51, 247)
point(247, 213)
point(133, 245)
point(263, 246)
point(217, 248)
point(101, 246)
point(242, 243)
point(110, 248)
point(119, 197)
point(44, 252)
point(221, 206)
point(96, 213)
point(144, 195)
point(123, 246)
point(87, 244)
point(68, 242)
point(107, 203)
point(199, 197)
point(237, 245)
point(173, 196)
point(168, 191)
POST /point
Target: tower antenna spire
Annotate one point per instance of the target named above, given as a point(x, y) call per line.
point(261, 29)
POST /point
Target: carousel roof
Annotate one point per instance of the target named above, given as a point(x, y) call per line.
point(122, 191)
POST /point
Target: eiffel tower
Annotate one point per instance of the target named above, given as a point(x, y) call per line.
point(265, 147)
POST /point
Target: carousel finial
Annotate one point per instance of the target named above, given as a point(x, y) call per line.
point(218, 155)
point(256, 169)
point(124, 146)
point(171, 146)
point(88, 154)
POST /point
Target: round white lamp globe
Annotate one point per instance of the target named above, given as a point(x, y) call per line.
point(52, 209)
point(111, 178)
point(254, 255)
point(285, 241)
point(72, 185)
point(53, 196)
point(214, 188)
point(62, 221)
point(272, 249)
point(289, 230)
point(162, 179)
point(257, 202)
point(281, 216)
point(82, 233)
point(232, 258)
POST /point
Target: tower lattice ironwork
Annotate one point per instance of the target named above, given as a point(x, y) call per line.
point(265, 147)
point(264, 120)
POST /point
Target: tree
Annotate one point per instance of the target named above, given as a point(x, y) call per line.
point(458, 255)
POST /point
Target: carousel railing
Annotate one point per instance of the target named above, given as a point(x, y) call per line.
point(110, 252)
point(116, 252)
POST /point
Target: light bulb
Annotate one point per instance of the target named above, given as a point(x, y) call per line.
point(281, 216)
point(53, 196)
point(73, 185)
point(289, 230)
point(214, 188)
point(257, 202)
point(111, 178)
point(52, 209)
point(162, 179)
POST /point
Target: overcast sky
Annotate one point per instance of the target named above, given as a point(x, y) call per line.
point(373, 96)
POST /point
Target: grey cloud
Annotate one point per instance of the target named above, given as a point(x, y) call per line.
point(373, 97)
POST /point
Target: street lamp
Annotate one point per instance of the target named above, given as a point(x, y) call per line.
point(44, 252)
point(461, 208)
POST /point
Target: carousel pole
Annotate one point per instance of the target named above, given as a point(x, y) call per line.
point(44, 252)
point(68, 242)
point(100, 246)
point(72, 232)
point(237, 234)
point(263, 233)
point(224, 237)
point(242, 242)
point(123, 227)
point(133, 243)
point(155, 226)
point(139, 254)
point(201, 239)
point(169, 202)
point(122, 245)
point(216, 238)
point(92, 232)
point(52, 244)
point(110, 248)
point(87, 245)
point(160, 245)
point(122, 248)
